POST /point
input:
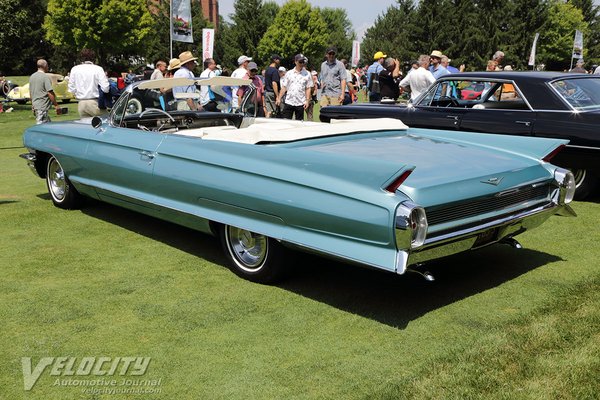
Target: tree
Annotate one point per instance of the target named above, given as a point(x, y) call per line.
point(250, 21)
point(157, 46)
point(109, 27)
point(21, 35)
point(297, 28)
point(556, 38)
point(591, 42)
point(527, 19)
point(340, 30)
point(394, 33)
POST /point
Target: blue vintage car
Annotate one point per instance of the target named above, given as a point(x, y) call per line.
point(371, 191)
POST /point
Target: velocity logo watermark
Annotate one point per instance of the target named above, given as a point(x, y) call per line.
point(102, 369)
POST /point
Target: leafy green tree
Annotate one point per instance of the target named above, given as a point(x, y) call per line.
point(341, 33)
point(556, 38)
point(591, 42)
point(528, 18)
point(156, 45)
point(250, 21)
point(297, 28)
point(21, 36)
point(109, 27)
point(394, 32)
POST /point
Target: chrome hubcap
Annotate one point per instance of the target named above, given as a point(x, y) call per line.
point(56, 181)
point(248, 248)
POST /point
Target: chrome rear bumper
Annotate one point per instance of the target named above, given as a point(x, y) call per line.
point(480, 235)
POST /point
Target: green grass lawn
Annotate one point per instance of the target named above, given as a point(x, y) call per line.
point(498, 323)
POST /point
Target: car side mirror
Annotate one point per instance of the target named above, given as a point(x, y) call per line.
point(96, 122)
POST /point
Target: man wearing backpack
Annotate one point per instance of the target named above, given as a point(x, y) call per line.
point(373, 76)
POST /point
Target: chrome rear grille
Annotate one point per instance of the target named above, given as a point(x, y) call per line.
point(525, 195)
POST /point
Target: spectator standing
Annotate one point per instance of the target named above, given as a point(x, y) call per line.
point(258, 84)
point(333, 79)
point(498, 57)
point(272, 85)
point(296, 87)
point(188, 63)
point(207, 97)
point(418, 79)
point(579, 67)
point(446, 64)
point(240, 72)
point(373, 72)
point(84, 81)
point(174, 65)
point(436, 68)
point(388, 80)
point(351, 85)
point(42, 95)
point(158, 73)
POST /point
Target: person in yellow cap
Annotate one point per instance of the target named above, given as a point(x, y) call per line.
point(372, 76)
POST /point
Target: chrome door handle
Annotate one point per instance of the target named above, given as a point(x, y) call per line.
point(454, 117)
point(526, 123)
point(148, 154)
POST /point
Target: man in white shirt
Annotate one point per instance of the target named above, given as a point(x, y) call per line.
point(418, 79)
point(240, 72)
point(207, 97)
point(296, 87)
point(84, 81)
point(159, 72)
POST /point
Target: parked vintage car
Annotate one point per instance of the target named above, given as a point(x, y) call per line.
point(541, 104)
point(21, 95)
point(372, 192)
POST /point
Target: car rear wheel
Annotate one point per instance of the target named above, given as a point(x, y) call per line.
point(61, 190)
point(251, 255)
point(585, 183)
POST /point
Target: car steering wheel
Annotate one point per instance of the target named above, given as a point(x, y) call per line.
point(147, 110)
point(451, 101)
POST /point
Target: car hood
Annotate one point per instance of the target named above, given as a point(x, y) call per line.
point(445, 170)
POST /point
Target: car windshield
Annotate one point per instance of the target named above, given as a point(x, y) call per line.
point(581, 94)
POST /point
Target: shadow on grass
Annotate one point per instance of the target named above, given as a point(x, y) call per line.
point(385, 297)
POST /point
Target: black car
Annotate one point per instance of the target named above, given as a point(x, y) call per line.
point(545, 104)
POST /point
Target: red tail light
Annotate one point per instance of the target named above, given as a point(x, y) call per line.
point(553, 153)
point(392, 187)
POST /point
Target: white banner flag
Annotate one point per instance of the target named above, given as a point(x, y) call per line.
point(578, 45)
point(355, 53)
point(181, 21)
point(532, 55)
point(208, 43)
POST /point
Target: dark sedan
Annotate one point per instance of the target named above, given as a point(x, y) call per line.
point(544, 104)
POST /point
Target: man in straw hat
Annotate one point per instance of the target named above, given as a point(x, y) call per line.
point(188, 63)
point(437, 69)
point(174, 65)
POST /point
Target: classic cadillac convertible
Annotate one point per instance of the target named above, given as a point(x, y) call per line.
point(372, 192)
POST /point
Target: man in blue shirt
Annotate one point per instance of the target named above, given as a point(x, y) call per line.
point(436, 68)
point(373, 71)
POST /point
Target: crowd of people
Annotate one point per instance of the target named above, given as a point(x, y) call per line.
point(283, 93)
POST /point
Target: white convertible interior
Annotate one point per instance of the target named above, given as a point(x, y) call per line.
point(144, 112)
point(270, 130)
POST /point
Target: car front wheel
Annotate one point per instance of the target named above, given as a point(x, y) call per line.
point(252, 256)
point(61, 190)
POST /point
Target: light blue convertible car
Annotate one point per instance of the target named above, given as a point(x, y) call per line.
point(372, 192)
